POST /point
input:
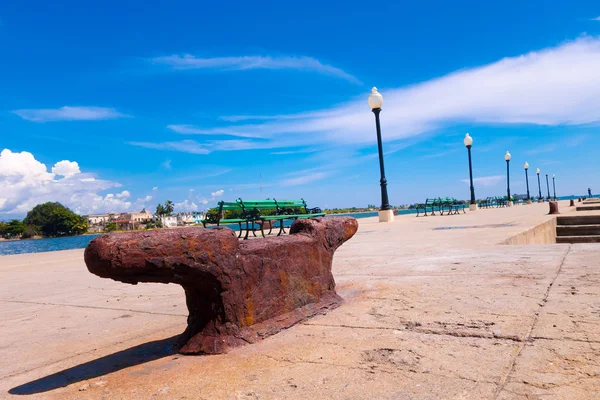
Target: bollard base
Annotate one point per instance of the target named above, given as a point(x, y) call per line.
point(472, 207)
point(386, 215)
point(529, 202)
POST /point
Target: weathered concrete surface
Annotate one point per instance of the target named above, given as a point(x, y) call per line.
point(428, 314)
point(236, 292)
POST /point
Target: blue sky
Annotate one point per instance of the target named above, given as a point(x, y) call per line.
point(117, 106)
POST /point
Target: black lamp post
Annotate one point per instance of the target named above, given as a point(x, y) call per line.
point(527, 180)
point(469, 143)
point(554, 185)
point(537, 171)
point(548, 187)
point(507, 158)
point(376, 101)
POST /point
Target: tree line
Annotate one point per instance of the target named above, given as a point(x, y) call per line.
point(50, 219)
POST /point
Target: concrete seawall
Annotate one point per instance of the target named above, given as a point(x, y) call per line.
point(544, 233)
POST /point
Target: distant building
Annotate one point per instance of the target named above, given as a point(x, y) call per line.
point(189, 218)
point(141, 217)
point(168, 222)
point(98, 219)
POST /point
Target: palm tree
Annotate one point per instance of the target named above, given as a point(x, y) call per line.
point(169, 208)
point(160, 210)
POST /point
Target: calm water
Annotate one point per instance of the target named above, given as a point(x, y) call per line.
point(40, 245)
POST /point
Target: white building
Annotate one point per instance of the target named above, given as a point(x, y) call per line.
point(98, 219)
point(168, 222)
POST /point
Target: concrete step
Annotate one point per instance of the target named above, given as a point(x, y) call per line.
point(577, 230)
point(578, 239)
point(589, 208)
point(579, 220)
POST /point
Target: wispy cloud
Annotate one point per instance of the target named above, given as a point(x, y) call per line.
point(68, 113)
point(302, 180)
point(185, 146)
point(596, 19)
point(487, 181)
point(194, 130)
point(555, 86)
point(576, 140)
point(547, 148)
point(239, 63)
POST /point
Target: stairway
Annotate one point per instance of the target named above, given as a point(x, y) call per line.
point(578, 229)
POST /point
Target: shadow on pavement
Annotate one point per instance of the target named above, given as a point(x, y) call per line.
point(114, 362)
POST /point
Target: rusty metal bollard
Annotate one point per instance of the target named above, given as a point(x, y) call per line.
point(572, 203)
point(553, 207)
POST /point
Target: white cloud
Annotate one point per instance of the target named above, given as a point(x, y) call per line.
point(486, 181)
point(555, 86)
point(166, 164)
point(68, 113)
point(123, 195)
point(300, 63)
point(66, 168)
point(596, 19)
point(186, 205)
point(194, 147)
point(194, 130)
point(185, 146)
point(26, 182)
point(218, 193)
point(302, 180)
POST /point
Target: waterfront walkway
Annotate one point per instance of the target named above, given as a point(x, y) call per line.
point(435, 308)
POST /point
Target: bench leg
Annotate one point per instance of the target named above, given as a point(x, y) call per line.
point(247, 231)
point(241, 230)
point(281, 230)
point(262, 232)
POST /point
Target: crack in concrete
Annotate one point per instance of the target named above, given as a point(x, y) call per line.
point(528, 337)
point(512, 338)
point(91, 307)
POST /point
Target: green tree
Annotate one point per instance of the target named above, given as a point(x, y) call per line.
point(169, 208)
point(54, 219)
point(110, 227)
point(14, 228)
point(2, 229)
point(160, 210)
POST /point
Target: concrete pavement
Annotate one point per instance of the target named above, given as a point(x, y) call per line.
point(436, 308)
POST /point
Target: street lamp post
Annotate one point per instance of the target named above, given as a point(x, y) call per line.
point(527, 180)
point(507, 158)
point(385, 213)
point(469, 143)
point(540, 200)
point(548, 187)
point(554, 185)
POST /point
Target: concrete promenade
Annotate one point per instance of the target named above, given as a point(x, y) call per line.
point(435, 308)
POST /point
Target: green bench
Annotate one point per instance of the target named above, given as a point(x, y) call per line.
point(284, 210)
point(451, 205)
point(430, 204)
point(258, 212)
point(216, 217)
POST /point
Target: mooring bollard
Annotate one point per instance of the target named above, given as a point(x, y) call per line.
point(553, 207)
point(572, 203)
point(236, 292)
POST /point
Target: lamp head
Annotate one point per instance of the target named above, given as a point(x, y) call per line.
point(537, 171)
point(507, 156)
point(468, 140)
point(553, 176)
point(526, 165)
point(375, 99)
